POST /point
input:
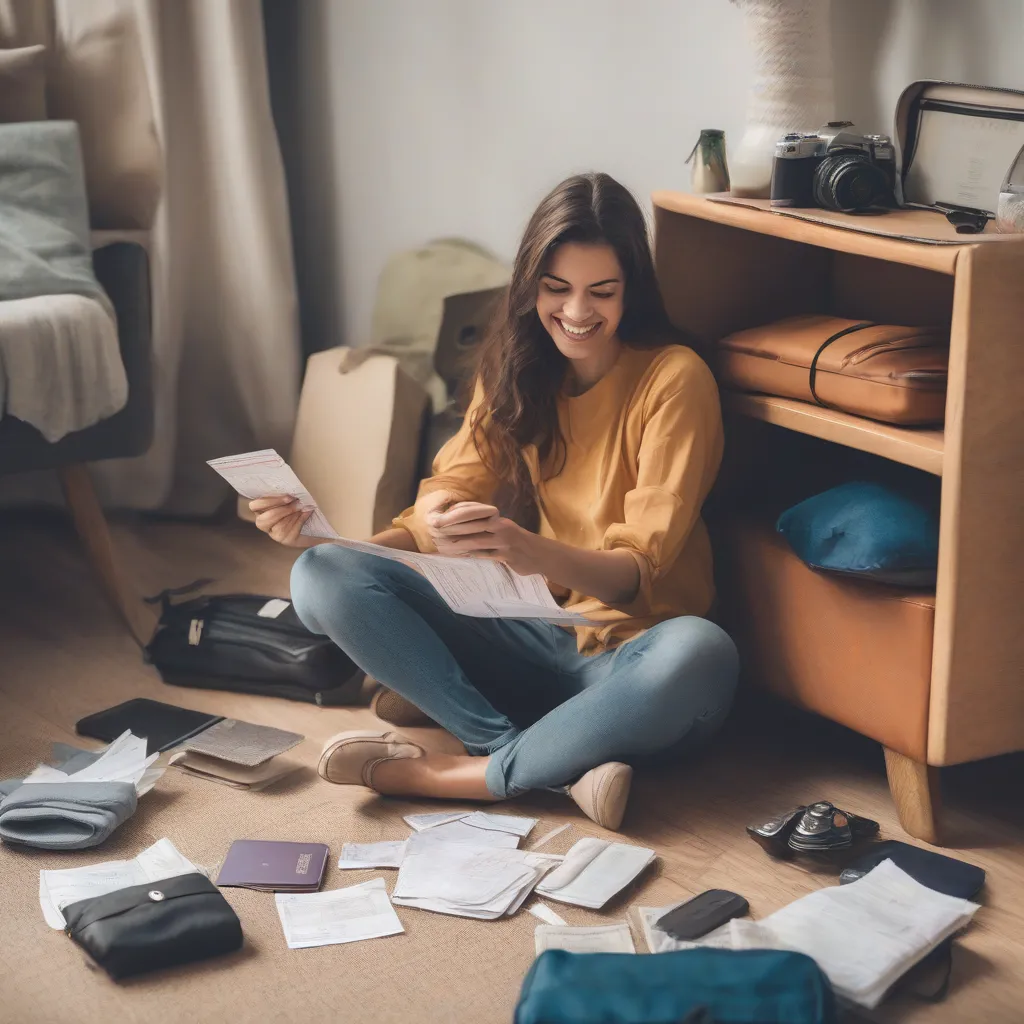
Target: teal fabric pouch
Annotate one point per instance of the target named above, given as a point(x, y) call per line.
point(700, 985)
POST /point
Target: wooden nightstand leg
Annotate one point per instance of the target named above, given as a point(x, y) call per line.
point(915, 791)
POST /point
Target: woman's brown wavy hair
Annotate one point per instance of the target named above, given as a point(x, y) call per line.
point(520, 369)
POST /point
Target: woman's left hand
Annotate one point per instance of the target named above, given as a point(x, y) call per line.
point(474, 530)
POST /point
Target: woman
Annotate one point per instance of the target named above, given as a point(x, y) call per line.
point(588, 414)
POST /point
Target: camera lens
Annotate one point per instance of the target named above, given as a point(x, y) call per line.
point(849, 183)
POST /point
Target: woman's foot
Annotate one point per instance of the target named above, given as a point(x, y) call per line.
point(392, 707)
point(603, 792)
point(351, 758)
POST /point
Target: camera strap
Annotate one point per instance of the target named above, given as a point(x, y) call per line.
point(813, 372)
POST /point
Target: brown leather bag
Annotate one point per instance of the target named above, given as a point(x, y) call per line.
point(887, 373)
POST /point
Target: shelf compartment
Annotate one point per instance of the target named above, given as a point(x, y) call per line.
point(941, 258)
point(918, 447)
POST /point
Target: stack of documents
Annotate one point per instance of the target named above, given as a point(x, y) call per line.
point(593, 871)
point(124, 760)
point(340, 915)
point(609, 938)
point(469, 881)
point(866, 935)
point(59, 889)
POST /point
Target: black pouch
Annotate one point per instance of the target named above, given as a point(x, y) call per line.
point(160, 924)
point(221, 642)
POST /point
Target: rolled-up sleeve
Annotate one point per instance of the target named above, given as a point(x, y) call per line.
point(457, 468)
point(680, 452)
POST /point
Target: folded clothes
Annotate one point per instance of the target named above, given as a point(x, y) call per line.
point(65, 816)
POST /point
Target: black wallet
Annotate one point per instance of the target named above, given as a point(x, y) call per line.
point(160, 924)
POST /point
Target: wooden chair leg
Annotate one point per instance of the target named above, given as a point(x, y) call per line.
point(91, 524)
point(915, 791)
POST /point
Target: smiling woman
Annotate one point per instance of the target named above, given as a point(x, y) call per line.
point(588, 411)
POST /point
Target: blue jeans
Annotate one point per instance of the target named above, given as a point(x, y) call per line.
point(518, 690)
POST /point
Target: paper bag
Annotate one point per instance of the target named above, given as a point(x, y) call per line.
point(357, 439)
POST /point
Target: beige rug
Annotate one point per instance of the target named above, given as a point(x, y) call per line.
point(63, 655)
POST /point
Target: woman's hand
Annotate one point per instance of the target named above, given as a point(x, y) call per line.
point(281, 518)
point(471, 529)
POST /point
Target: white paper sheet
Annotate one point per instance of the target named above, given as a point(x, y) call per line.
point(264, 473)
point(865, 935)
point(59, 889)
point(337, 916)
point(124, 760)
point(421, 822)
point(610, 938)
point(461, 832)
point(470, 586)
point(593, 871)
point(501, 823)
point(372, 855)
point(544, 913)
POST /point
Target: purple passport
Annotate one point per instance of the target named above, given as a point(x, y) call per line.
point(273, 866)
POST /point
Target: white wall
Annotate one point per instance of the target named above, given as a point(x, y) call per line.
point(426, 118)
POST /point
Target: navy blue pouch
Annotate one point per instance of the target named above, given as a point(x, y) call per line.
point(757, 986)
point(866, 530)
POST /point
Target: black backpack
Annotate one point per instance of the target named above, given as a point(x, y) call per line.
point(221, 642)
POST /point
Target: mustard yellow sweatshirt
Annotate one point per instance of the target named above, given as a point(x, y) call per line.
point(643, 447)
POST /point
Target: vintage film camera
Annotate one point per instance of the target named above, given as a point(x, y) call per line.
point(834, 169)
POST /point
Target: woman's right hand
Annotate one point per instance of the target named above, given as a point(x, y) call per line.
point(281, 518)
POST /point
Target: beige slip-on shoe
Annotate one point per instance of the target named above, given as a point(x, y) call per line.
point(392, 707)
point(602, 793)
point(349, 758)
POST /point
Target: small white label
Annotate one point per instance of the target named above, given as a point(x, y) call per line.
point(273, 608)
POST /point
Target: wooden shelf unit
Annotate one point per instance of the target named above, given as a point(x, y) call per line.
point(921, 449)
point(725, 268)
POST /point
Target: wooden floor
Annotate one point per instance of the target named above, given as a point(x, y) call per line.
point(60, 644)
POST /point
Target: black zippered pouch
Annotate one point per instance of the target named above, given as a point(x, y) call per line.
point(159, 924)
point(221, 642)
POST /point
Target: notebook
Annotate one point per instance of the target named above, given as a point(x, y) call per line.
point(242, 743)
point(274, 866)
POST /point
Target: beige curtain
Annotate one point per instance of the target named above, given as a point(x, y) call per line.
point(183, 83)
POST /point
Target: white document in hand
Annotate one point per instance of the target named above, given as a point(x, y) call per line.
point(609, 938)
point(469, 586)
point(338, 915)
point(59, 889)
point(264, 473)
point(593, 871)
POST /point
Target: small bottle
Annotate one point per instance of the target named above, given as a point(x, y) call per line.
point(708, 169)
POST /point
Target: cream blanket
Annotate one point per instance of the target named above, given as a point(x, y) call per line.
point(60, 362)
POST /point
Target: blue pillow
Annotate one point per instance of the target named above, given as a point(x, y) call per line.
point(868, 530)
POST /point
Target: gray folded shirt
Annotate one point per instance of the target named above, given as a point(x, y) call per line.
point(65, 815)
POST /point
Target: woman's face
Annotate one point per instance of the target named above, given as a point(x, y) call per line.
point(580, 300)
